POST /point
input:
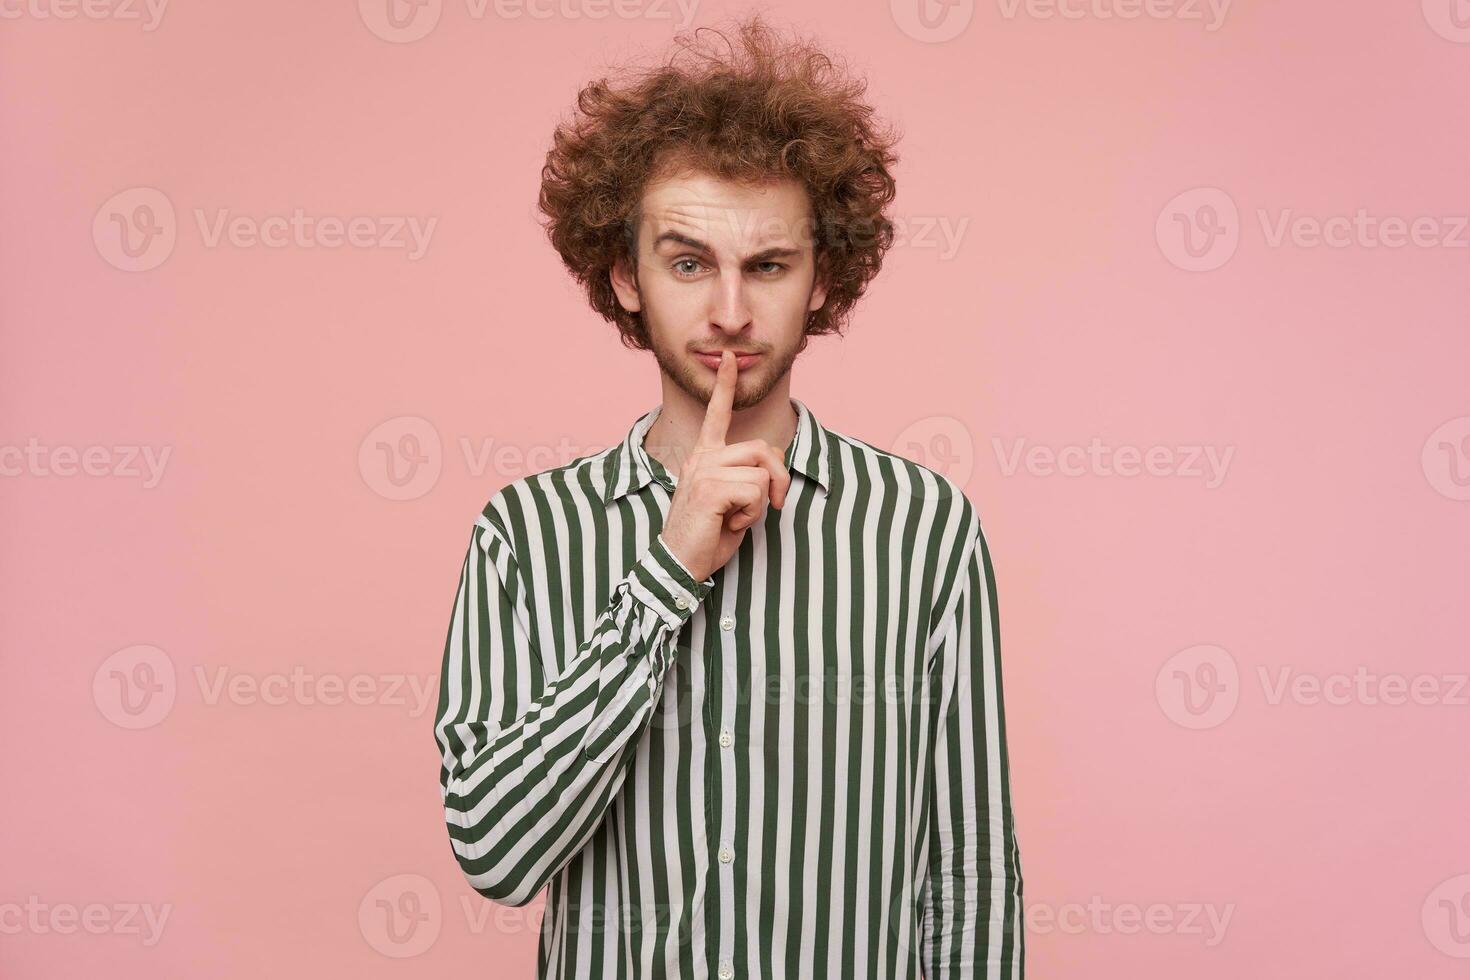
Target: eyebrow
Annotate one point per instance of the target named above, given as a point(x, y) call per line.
point(775, 252)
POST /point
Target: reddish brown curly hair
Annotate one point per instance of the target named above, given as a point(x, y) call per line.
point(768, 108)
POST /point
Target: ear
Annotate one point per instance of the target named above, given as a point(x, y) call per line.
point(625, 284)
point(819, 287)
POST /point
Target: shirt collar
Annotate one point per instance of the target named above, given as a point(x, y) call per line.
point(629, 468)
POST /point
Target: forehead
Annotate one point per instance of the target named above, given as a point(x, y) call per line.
point(727, 215)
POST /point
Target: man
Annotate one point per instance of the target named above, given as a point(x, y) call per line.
point(732, 687)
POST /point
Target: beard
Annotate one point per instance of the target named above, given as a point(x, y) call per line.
point(751, 385)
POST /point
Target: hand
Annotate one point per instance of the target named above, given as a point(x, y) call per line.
point(722, 490)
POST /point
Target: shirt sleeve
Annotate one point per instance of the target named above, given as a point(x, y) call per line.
point(971, 903)
point(530, 763)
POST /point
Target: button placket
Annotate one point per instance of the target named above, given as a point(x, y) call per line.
point(725, 764)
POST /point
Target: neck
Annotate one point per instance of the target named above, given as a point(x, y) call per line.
point(671, 438)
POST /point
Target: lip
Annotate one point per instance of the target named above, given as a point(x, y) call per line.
point(742, 361)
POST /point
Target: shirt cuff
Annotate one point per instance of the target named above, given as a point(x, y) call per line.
point(662, 583)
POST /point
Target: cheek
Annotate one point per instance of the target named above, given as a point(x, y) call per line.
point(789, 298)
point(673, 301)
point(782, 317)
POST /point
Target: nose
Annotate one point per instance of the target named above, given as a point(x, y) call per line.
point(730, 312)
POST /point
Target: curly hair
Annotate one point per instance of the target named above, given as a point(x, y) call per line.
point(771, 109)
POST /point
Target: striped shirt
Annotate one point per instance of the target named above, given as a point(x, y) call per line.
point(795, 768)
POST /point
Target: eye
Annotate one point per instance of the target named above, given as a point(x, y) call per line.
point(685, 262)
point(778, 266)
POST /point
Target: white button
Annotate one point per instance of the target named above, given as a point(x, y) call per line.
point(726, 855)
point(726, 738)
point(682, 602)
point(726, 971)
point(727, 622)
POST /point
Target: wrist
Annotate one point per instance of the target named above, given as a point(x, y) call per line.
point(677, 552)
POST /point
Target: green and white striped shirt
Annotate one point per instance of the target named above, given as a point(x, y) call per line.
point(795, 768)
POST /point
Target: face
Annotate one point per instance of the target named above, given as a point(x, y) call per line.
point(723, 265)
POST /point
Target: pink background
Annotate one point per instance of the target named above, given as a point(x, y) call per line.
point(1332, 834)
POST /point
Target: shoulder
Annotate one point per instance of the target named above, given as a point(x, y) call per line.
point(528, 504)
point(946, 534)
point(912, 484)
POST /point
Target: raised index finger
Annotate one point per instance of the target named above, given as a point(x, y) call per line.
point(717, 412)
